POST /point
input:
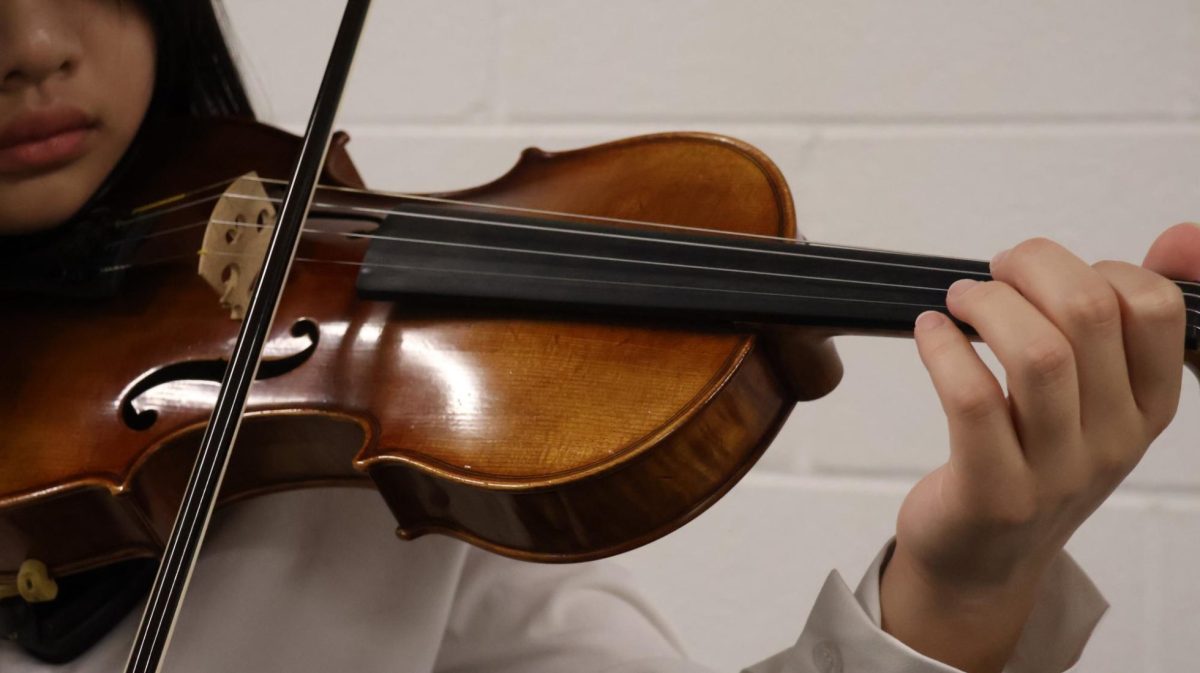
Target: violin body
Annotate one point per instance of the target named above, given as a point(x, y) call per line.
point(542, 436)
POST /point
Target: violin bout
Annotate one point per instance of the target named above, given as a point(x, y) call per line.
point(537, 434)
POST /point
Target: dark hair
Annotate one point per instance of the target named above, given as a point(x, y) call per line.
point(196, 75)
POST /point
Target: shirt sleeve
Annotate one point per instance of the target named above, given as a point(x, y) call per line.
point(844, 633)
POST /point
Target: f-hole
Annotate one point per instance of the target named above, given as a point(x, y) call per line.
point(139, 418)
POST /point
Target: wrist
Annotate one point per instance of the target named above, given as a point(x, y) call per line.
point(974, 628)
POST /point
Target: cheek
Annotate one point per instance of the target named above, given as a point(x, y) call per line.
point(46, 201)
point(123, 57)
point(127, 74)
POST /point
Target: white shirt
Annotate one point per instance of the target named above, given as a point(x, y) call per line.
point(314, 581)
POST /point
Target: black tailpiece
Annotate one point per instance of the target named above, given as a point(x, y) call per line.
point(88, 606)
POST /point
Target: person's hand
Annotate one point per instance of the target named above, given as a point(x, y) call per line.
point(1093, 359)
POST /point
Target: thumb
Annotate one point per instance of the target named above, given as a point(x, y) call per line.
point(1176, 253)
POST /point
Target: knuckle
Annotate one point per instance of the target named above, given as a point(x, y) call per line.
point(973, 402)
point(1112, 265)
point(984, 292)
point(1072, 481)
point(977, 299)
point(1035, 246)
point(1161, 302)
point(1160, 419)
point(1111, 466)
point(1047, 359)
point(940, 349)
point(1059, 496)
point(1093, 307)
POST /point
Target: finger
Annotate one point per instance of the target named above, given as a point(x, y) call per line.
point(1153, 322)
point(983, 442)
point(1037, 358)
point(1176, 253)
point(1084, 307)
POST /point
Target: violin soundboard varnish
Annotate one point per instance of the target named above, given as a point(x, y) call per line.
point(541, 436)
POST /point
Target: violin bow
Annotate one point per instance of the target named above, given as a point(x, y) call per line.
point(200, 495)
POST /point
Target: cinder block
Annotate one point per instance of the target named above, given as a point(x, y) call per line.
point(867, 60)
point(883, 419)
point(1104, 191)
point(417, 59)
point(439, 159)
point(1176, 620)
point(423, 157)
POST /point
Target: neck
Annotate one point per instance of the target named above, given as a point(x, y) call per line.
point(662, 272)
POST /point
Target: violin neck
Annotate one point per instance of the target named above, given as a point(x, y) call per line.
point(663, 273)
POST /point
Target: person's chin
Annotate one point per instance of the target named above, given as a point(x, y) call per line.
point(40, 202)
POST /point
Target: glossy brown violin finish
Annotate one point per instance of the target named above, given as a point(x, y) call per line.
point(545, 437)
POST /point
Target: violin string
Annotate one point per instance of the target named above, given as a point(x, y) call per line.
point(173, 203)
point(114, 268)
point(620, 260)
point(598, 281)
point(334, 208)
point(314, 230)
point(609, 235)
point(580, 280)
point(625, 236)
point(713, 233)
point(166, 232)
point(176, 203)
point(604, 219)
point(217, 253)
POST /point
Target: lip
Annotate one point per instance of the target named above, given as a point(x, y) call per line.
point(44, 138)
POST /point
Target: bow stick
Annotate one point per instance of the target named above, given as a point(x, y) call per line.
point(187, 534)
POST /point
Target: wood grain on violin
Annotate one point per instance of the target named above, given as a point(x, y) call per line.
point(540, 436)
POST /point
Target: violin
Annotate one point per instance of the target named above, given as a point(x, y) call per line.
point(560, 365)
point(484, 406)
point(454, 373)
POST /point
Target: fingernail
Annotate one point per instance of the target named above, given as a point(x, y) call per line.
point(929, 320)
point(999, 256)
point(961, 286)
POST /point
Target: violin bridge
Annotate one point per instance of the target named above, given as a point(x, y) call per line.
point(235, 242)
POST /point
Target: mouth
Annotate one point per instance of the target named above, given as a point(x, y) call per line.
point(44, 139)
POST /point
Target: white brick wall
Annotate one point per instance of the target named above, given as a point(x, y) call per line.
point(930, 125)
